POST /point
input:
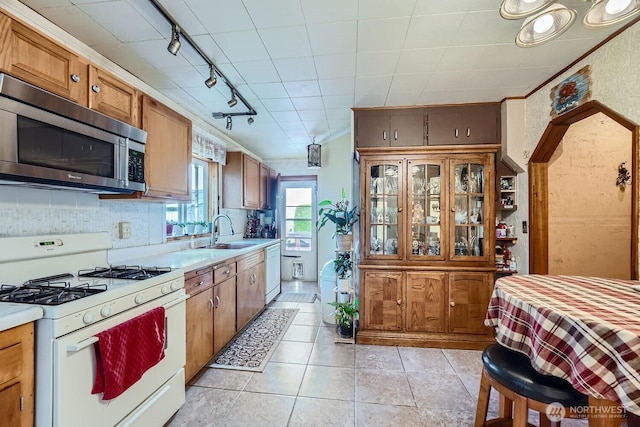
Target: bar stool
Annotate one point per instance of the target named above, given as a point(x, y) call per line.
point(511, 374)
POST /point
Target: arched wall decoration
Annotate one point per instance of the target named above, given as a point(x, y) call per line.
point(539, 187)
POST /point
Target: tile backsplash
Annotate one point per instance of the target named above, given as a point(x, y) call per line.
point(33, 211)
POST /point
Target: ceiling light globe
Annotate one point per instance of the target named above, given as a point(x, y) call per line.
point(543, 24)
point(613, 7)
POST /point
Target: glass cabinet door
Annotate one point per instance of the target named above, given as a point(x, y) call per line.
point(425, 204)
point(384, 188)
point(468, 211)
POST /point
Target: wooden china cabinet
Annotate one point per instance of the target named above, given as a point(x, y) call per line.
point(426, 270)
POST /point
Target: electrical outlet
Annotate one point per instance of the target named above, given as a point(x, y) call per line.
point(124, 229)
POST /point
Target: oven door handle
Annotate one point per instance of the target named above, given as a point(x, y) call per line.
point(175, 302)
point(72, 348)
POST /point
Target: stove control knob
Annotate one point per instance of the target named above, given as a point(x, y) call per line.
point(139, 299)
point(88, 317)
point(175, 285)
point(165, 289)
point(106, 311)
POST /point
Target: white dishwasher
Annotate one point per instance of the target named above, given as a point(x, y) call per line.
point(272, 264)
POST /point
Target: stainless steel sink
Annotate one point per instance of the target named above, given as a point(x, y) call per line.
point(231, 245)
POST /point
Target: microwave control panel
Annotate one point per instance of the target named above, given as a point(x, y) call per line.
point(136, 166)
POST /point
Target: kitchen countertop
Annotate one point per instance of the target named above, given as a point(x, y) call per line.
point(192, 259)
point(15, 315)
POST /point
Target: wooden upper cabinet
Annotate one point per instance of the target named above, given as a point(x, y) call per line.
point(389, 130)
point(264, 186)
point(29, 56)
point(113, 97)
point(241, 182)
point(167, 157)
point(472, 124)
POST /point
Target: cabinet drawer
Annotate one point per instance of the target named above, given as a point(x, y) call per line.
point(199, 283)
point(250, 260)
point(222, 272)
point(11, 362)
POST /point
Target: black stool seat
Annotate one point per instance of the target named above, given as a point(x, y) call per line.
point(513, 370)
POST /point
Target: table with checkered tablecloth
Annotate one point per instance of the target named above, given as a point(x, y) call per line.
point(583, 329)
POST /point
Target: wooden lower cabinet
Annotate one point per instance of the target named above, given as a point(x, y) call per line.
point(224, 313)
point(251, 287)
point(442, 309)
point(17, 376)
point(199, 320)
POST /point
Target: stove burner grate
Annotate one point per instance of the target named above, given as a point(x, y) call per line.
point(47, 292)
point(125, 272)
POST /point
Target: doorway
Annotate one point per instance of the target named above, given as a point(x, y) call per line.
point(582, 222)
point(299, 254)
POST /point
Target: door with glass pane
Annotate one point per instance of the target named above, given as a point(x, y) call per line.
point(426, 203)
point(297, 229)
point(384, 224)
point(470, 180)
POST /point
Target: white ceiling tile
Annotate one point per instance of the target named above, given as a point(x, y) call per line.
point(444, 80)
point(269, 90)
point(378, 84)
point(461, 58)
point(395, 99)
point(242, 46)
point(286, 42)
point(291, 126)
point(339, 114)
point(274, 13)
point(302, 133)
point(409, 82)
point(370, 100)
point(433, 30)
point(345, 86)
point(155, 52)
point(257, 71)
point(333, 38)
point(419, 60)
point(285, 116)
point(156, 78)
point(122, 20)
point(329, 10)
point(183, 15)
point(338, 126)
point(291, 69)
point(221, 16)
point(39, 4)
point(437, 7)
point(374, 9)
point(185, 77)
point(231, 73)
point(316, 127)
point(338, 101)
point(312, 115)
point(248, 94)
point(125, 58)
point(382, 34)
point(278, 104)
point(78, 24)
point(308, 103)
point(377, 63)
point(304, 88)
point(481, 28)
point(336, 66)
point(210, 48)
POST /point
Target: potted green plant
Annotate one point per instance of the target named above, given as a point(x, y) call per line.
point(346, 313)
point(341, 216)
point(343, 266)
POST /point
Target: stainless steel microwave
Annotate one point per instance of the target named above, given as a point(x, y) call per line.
point(46, 140)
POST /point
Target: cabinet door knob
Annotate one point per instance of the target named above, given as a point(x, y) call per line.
point(452, 303)
point(399, 302)
point(95, 88)
point(399, 209)
point(75, 78)
point(453, 209)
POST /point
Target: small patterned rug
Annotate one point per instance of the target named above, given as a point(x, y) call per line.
point(252, 348)
point(296, 297)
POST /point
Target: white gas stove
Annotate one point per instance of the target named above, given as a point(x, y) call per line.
point(51, 272)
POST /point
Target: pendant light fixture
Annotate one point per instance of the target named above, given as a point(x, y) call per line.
point(610, 12)
point(314, 155)
point(233, 101)
point(518, 9)
point(212, 80)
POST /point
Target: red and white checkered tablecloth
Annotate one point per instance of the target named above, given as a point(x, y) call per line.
point(583, 329)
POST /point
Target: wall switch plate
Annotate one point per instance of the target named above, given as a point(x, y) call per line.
point(524, 227)
point(124, 230)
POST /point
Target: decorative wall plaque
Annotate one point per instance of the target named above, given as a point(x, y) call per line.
point(571, 92)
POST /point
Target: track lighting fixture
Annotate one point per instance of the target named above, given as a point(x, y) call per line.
point(233, 101)
point(229, 122)
point(174, 44)
point(546, 19)
point(250, 120)
point(212, 80)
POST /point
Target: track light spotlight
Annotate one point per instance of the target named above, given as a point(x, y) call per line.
point(212, 80)
point(174, 44)
point(229, 122)
point(233, 101)
point(250, 120)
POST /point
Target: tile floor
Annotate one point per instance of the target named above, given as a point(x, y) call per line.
point(311, 381)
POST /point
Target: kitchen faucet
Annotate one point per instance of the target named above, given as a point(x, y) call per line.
point(214, 233)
